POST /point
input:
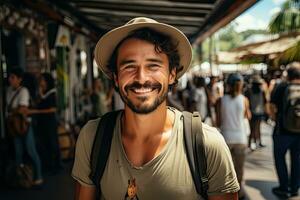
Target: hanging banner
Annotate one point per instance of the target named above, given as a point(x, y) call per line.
point(63, 38)
point(62, 78)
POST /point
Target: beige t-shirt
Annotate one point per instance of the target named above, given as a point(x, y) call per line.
point(167, 176)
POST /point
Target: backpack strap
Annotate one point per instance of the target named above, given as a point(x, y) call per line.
point(101, 148)
point(194, 145)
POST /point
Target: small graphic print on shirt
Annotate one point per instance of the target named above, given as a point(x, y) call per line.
point(131, 190)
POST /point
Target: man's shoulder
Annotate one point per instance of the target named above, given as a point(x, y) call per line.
point(281, 87)
point(213, 139)
point(88, 132)
point(211, 134)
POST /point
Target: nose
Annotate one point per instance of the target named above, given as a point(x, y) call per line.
point(141, 75)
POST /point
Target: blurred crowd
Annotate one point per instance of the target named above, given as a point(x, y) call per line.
point(237, 104)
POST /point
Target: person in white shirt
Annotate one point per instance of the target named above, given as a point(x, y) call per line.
point(18, 98)
point(201, 98)
point(231, 109)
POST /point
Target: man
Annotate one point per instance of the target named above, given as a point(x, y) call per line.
point(201, 97)
point(17, 100)
point(147, 157)
point(284, 137)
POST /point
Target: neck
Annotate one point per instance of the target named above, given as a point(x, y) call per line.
point(143, 126)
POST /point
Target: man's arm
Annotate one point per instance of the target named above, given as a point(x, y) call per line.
point(228, 196)
point(84, 192)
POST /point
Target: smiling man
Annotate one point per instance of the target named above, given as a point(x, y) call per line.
point(147, 157)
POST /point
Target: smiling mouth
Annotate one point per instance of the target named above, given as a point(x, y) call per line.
point(142, 90)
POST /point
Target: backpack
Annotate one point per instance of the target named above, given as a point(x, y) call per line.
point(19, 176)
point(193, 140)
point(291, 109)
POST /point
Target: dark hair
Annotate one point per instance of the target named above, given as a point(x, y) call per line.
point(200, 82)
point(19, 72)
point(30, 82)
point(294, 71)
point(256, 88)
point(49, 80)
point(163, 44)
point(234, 82)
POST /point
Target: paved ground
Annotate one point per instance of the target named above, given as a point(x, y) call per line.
point(58, 187)
point(260, 177)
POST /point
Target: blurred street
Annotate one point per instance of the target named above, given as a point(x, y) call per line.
point(260, 175)
point(260, 178)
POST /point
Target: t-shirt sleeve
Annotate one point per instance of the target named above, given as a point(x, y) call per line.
point(220, 170)
point(23, 97)
point(81, 168)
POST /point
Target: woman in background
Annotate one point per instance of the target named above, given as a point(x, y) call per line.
point(231, 109)
point(258, 103)
point(47, 124)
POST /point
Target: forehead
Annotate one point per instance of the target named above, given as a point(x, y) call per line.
point(133, 48)
point(135, 44)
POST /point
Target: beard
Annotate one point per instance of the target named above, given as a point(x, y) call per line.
point(141, 107)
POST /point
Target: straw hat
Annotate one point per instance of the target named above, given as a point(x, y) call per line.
point(108, 42)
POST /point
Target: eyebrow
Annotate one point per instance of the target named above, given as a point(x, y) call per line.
point(155, 60)
point(124, 62)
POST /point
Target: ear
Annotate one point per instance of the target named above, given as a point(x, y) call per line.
point(116, 82)
point(172, 76)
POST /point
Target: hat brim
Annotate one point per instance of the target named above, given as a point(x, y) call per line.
point(110, 40)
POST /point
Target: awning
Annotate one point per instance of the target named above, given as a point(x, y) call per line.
point(197, 19)
point(266, 51)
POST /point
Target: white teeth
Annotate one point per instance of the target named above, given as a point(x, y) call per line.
point(142, 90)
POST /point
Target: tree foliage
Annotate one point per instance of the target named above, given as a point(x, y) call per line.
point(287, 19)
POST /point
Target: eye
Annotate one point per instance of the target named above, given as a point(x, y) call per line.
point(154, 66)
point(129, 67)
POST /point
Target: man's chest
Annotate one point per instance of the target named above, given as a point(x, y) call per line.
point(166, 176)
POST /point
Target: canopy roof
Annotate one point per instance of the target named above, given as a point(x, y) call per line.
point(262, 51)
point(197, 19)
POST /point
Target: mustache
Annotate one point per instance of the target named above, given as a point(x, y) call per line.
point(147, 84)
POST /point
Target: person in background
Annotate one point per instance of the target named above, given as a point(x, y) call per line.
point(173, 99)
point(18, 99)
point(47, 124)
point(231, 109)
point(215, 91)
point(99, 99)
point(286, 135)
point(188, 97)
point(275, 81)
point(201, 98)
point(258, 102)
